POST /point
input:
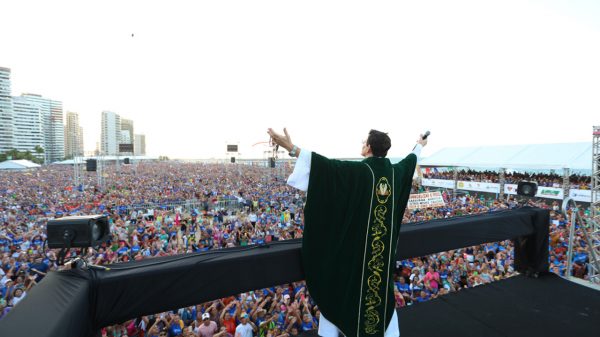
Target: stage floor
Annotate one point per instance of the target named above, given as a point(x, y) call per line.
point(518, 306)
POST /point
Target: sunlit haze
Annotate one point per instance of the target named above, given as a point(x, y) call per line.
point(195, 76)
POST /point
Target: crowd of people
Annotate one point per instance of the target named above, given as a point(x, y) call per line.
point(167, 208)
point(576, 181)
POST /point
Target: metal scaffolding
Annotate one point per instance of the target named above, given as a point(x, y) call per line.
point(502, 181)
point(593, 223)
point(566, 184)
point(76, 171)
point(99, 173)
point(595, 206)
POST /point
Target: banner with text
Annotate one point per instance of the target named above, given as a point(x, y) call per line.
point(550, 192)
point(478, 186)
point(438, 183)
point(542, 192)
point(425, 200)
point(581, 195)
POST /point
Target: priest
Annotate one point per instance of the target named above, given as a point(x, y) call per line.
point(352, 220)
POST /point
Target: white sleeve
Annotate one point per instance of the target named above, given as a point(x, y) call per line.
point(299, 178)
point(417, 151)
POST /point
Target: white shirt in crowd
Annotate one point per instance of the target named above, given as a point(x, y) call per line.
point(243, 330)
point(299, 179)
point(16, 300)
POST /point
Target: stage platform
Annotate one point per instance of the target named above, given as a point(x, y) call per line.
point(519, 306)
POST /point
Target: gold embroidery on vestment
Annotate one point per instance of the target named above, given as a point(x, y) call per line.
point(376, 264)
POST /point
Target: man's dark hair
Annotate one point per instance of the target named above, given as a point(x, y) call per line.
point(379, 142)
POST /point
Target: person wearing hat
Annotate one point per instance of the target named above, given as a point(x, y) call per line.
point(359, 206)
point(208, 328)
point(246, 328)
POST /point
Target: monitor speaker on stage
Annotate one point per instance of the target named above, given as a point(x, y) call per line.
point(271, 162)
point(91, 164)
point(527, 189)
point(126, 161)
point(233, 160)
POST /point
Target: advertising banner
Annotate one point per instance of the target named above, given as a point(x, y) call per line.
point(542, 192)
point(478, 186)
point(438, 183)
point(550, 192)
point(510, 189)
point(581, 195)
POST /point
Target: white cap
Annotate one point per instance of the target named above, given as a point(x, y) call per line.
point(205, 315)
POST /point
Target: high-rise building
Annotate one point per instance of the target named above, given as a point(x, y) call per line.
point(73, 136)
point(139, 145)
point(57, 132)
point(53, 127)
point(125, 139)
point(110, 134)
point(28, 126)
point(7, 141)
point(127, 125)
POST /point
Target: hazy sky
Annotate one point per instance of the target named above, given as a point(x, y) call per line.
point(197, 75)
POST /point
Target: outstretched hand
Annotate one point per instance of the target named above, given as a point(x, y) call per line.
point(421, 140)
point(284, 141)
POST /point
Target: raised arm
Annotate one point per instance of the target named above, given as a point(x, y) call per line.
point(222, 316)
point(416, 150)
point(420, 144)
point(284, 141)
point(238, 309)
point(300, 176)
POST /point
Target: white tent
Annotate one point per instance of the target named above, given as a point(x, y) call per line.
point(82, 160)
point(20, 164)
point(574, 156)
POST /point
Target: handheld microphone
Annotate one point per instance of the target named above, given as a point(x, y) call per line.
point(427, 133)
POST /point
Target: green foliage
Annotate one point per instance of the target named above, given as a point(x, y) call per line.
point(16, 155)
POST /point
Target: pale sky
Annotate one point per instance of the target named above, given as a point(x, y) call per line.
point(197, 75)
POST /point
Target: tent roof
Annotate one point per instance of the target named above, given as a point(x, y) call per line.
point(575, 156)
point(82, 160)
point(20, 164)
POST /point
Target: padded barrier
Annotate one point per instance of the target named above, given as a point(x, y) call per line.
point(77, 303)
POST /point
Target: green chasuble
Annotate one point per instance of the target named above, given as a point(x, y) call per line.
point(352, 220)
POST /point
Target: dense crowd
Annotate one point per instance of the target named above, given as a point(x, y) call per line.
point(576, 181)
point(167, 208)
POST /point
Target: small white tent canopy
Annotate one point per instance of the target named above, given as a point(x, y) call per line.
point(20, 164)
point(574, 156)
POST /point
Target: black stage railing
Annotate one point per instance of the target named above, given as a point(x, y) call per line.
point(79, 302)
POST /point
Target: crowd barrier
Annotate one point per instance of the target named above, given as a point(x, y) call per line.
point(79, 302)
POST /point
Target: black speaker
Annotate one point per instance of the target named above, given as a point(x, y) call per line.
point(80, 231)
point(126, 161)
point(233, 159)
point(271, 162)
point(90, 164)
point(527, 189)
